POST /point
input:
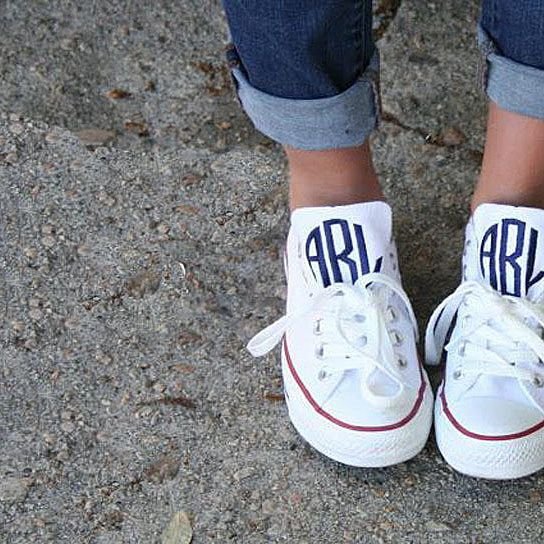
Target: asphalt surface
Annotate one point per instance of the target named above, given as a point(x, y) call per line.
point(139, 243)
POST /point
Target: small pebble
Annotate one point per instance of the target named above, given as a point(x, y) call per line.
point(18, 326)
point(48, 241)
point(52, 137)
point(67, 426)
point(17, 128)
point(437, 526)
point(30, 252)
point(35, 314)
point(268, 507)
point(11, 158)
point(83, 250)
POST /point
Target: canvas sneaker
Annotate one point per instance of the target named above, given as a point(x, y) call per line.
point(354, 386)
point(489, 412)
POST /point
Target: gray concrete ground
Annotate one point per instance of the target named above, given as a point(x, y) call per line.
point(132, 272)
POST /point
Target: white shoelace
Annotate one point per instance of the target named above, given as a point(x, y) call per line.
point(361, 339)
point(498, 333)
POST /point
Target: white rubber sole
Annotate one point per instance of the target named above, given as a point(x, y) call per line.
point(489, 459)
point(358, 448)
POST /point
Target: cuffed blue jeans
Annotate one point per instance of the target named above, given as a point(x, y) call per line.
point(307, 71)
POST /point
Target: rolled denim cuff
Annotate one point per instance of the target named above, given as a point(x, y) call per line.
point(343, 120)
point(513, 86)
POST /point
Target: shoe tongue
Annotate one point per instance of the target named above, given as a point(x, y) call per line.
point(511, 248)
point(341, 243)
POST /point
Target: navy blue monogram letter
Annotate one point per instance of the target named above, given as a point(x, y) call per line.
point(339, 245)
point(501, 258)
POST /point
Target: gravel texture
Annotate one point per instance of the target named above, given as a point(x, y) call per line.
point(141, 218)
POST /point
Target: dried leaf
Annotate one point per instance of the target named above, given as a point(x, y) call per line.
point(218, 77)
point(165, 468)
point(205, 67)
point(451, 137)
point(184, 368)
point(274, 397)
point(113, 519)
point(177, 401)
point(193, 280)
point(535, 496)
point(170, 401)
point(185, 208)
point(178, 531)
point(188, 337)
point(386, 6)
point(224, 125)
point(143, 283)
point(116, 94)
point(137, 127)
point(190, 179)
point(150, 86)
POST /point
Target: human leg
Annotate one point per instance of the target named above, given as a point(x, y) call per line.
point(306, 74)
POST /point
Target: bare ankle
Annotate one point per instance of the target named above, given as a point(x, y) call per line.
point(332, 177)
point(513, 164)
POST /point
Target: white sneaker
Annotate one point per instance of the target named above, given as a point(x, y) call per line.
point(354, 386)
point(489, 414)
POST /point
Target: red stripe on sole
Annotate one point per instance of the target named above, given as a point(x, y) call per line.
point(349, 426)
point(485, 437)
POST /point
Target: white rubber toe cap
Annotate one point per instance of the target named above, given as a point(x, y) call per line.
point(489, 437)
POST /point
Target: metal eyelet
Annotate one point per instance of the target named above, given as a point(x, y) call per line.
point(461, 349)
point(317, 327)
point(390, 314)
point(319, 351)
point(397, 337)
point(402, 362)
point(364, 341)
point(465, 248)
point(322, 375)
point(538, 381)
point(457, 374)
